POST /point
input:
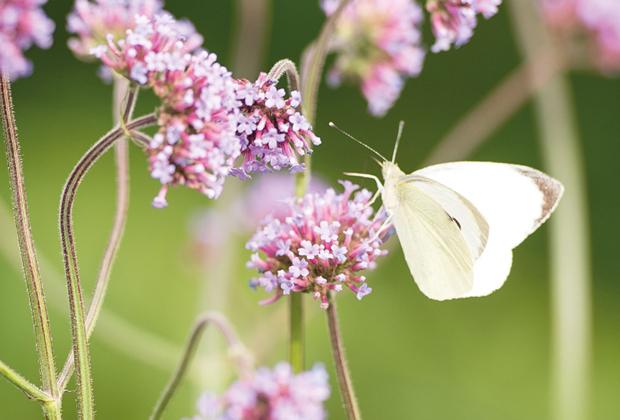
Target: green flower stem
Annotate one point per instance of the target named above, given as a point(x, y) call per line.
point(30, 264)
point(342, 371)
point(76, 303)
point(570, 237)
point(312, 71)
point(236, 349)
point(31, 390)
point(128, 96)
point(297, 338)
point(251, 32)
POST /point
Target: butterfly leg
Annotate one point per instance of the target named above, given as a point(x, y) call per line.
point(385, 224)
point(367, 176)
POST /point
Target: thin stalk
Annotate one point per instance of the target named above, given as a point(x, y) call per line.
point(342, 370)
point(297, 336)
point(129, 96)
point(113, 329)
point(570, 242)
point(251, 36)
point(510, 94)
point(76, 302)
point(235, 346)
point(285, 66)
point(316, 61)
point(31, 390)
point(30, 265)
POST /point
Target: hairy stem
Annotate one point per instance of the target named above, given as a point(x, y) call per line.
point(297, 337)
point(285, 66)
point(76, 303)
point(342, 370)
point(129, 97)
point(494, 110)
point(570, 255)
point(30, 265)
point(31, 390)
point(237, 349)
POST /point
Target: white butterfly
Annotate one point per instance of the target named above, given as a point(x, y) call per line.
point(459, 222)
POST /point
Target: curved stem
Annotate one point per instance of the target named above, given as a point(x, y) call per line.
point(316, 61)
point(129, 97)
point(495, 109)
point(235, 346)
point(31, 390)
point(570, 248)
point(285, 66)
point(76, 303)
point(30, 265)
point(342, 370)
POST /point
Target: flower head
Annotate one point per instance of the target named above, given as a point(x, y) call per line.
point(453, 21)
point(270, 394)
point(378, 43)
point(22, 24)
point(321, 245)
point(273, 132)
point(196, 144)
point(598, 21)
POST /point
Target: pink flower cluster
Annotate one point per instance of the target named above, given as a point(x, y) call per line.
point(321, 245)
point(276, 394)
point(453, 21)
point(196, 145)
point(598, 20)
point(273, 132)
point(378, 43)
point(22, 24)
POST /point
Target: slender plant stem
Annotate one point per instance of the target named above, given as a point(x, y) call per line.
point(285, 66)
point(316, 61)
point(129, 97)
point(236, 347)
point(342, 370)
point(494, 110)
point(30, 265)
point(251, 36)
point(570, 255)
point(297, 331)
point(31, 390)
point(113, 329)
point(76, 302)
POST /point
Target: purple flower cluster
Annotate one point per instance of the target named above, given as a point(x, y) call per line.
point(453, 21)
point(598, 20)
point(196, 145)
point(273, 132)
point(378, 43)
point(321, 245)
point(267, 394)
point(22, 24)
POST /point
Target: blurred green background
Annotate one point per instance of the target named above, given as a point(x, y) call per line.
point(410, 357)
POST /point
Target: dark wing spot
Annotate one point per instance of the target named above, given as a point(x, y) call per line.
point(454, 219)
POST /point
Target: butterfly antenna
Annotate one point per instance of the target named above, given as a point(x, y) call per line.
point(401, 126)
point(332, 125)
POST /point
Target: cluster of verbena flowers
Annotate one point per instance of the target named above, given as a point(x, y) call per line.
point(273, 132)
point(453, 21)
point(22, 24)
point(598, 20)
point(321, 244)
point(378, 43)
point(196, 145)
point(276, 394)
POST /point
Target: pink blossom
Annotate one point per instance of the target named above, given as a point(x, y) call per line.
point(321, 244)
point(196, 144)
point(378, 44)
point(274, 134)
point(270, 394)
point(22, 24)
point(453, 21)
point(597, 20)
